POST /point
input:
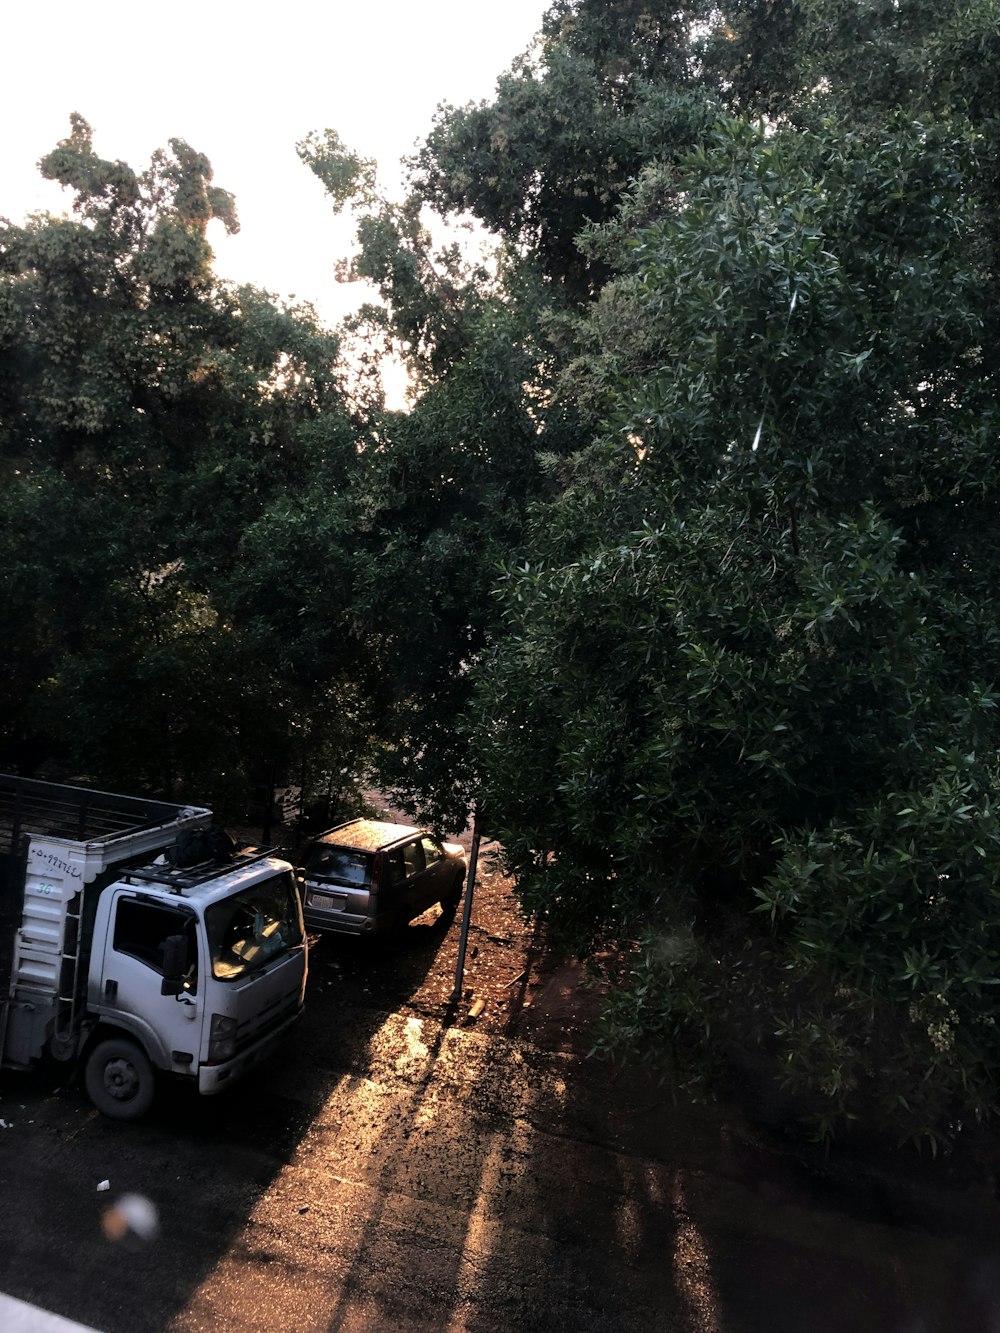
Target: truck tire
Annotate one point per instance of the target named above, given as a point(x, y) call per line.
point(119, 1079)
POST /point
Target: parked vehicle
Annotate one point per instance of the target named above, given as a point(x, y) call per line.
point(136, 942)
point(368, 876)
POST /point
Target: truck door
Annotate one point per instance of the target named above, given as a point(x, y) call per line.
point(132, 976)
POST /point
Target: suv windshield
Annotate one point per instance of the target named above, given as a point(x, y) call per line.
point(253, 926)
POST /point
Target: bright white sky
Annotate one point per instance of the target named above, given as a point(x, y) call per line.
point(243, 84)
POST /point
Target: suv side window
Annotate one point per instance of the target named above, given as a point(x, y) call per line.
point(395, 870)
point(432, 850)
point(413, 858)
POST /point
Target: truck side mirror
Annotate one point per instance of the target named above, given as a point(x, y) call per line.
point(175, 963)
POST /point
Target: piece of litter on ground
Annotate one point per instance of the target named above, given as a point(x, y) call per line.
point(477, 1008)
point(103, 1185)
point(5, 1125)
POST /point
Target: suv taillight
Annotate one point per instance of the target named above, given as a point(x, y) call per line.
point(376, 872)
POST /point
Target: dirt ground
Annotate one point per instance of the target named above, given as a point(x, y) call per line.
point(512, 984)
point(870, 1195)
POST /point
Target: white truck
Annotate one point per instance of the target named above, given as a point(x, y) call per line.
point(136, 943)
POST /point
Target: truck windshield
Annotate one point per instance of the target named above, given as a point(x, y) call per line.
point(253, 926)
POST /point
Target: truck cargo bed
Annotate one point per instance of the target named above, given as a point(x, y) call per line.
point(60, 845)
point(77, 814)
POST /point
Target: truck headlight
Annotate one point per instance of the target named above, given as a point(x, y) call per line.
point(221, 1039)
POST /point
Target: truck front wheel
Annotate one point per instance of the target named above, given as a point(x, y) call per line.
point(119, 1079)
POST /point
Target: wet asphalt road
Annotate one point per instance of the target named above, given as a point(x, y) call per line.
point(399, 1168)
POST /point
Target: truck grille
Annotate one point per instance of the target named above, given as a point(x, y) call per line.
point(278, 1011)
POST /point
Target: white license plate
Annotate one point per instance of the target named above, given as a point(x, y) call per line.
point(327, 902)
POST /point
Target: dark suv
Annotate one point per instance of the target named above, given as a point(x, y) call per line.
point(368, 876)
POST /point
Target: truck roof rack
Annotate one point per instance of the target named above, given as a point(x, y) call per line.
point(179, 878)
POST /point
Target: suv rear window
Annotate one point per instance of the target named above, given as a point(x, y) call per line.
point(337, 865)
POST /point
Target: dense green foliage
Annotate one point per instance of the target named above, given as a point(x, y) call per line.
point(766, 637)
point(682, 563)
point(146, 416)
point(743, 710)
point(438, 495)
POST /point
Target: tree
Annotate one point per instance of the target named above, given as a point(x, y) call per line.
point(148, 414)
point(571, 124)
point(742, 714)
point(435, 497)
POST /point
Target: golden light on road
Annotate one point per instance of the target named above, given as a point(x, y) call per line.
point(692, 1268)
point(457, 1177)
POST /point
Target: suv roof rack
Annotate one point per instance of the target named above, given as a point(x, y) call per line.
point(179, 878)
point(372, 834)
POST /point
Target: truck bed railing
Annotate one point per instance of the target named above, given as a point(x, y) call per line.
point(53, 810)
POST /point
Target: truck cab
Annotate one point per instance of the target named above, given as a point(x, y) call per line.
point(136, 942)
point(203, 970)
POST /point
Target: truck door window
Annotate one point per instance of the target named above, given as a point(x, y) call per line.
point(141, 931)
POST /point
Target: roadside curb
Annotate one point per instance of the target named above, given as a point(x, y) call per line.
point(20, 1317)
